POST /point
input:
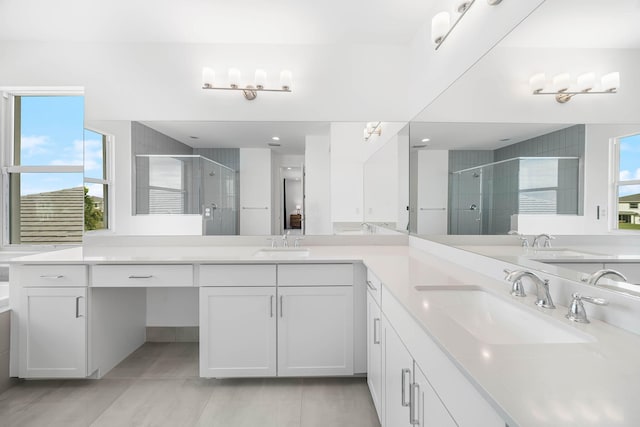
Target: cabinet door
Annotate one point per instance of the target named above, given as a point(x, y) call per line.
point(315, 331)
point(53, 333)
point(398, 376)
point(426, 407)
point(237, 332)
point(374, 351)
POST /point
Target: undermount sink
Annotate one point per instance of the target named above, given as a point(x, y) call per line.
point(282, 253)
point(561, 253)
point(493, 320)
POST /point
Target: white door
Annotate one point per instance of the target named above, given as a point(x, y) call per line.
point(398, 376)
point(237, 332)
point(427, 408)
point(53, 333)
point(374, 352)
point(315, 330)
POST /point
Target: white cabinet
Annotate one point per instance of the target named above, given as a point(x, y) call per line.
point(53, 333)
point(427, 410)
point(374, 352)
point(398, 375)
point(237, 331)
point(315, 331)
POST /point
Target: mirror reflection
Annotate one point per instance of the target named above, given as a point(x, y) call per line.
point(265, 178)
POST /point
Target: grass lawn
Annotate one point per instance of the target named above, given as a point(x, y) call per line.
point(625, 226)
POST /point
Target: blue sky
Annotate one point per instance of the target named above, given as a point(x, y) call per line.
point(630, 163)
point(52, 133)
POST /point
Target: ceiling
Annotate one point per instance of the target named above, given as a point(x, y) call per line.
point(213, 21)
point(242, 134)
point(476, 136)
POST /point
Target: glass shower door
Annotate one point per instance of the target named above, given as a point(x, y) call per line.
point(467, 218)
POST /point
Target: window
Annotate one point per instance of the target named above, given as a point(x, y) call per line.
point(57, 170)
point(627, 182)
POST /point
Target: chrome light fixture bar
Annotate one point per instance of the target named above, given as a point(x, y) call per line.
point(562, 90)
point(372, 128)
point(441, 23)
point(250, 91)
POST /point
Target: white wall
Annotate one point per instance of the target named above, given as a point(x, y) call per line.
point(255, 191)
point(431, 72)
point(381, 184)
point(160, 81)
point(347, 162)
point(318, 185)
point(433, 191)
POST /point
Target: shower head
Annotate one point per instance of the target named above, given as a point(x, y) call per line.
point(476, 175)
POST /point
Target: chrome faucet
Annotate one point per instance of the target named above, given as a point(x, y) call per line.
point(285, 242)
point(593, 278)
point(577, 313)
point(542, 287)
point(547, 243)
point(523, 238)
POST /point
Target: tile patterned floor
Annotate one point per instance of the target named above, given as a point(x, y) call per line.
point(158, 385)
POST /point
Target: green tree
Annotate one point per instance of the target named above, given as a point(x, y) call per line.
point(93, 216)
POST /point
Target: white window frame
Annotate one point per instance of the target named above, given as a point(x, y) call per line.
point(7, 115)
point(108, 166)
point(616, 184)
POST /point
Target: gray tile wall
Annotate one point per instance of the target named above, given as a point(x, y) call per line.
point(500, 186)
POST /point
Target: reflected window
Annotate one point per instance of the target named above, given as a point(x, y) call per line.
point(628, 183)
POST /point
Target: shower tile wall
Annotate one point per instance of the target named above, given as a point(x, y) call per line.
point(145, 140)
point(500, 187)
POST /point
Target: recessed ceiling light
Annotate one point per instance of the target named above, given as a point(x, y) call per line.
point(275, 138)
point(273, 144)
point(425, 140)
point(505, 139)
point(194, 137)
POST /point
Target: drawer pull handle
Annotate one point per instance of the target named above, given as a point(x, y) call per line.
point(404, 386)
point(147, 276)
point(51, 276)
point(370, 285)
point(376, 333)
point(414, 413)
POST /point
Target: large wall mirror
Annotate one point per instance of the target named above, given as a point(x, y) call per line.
point(489, 155)
point(264, 178)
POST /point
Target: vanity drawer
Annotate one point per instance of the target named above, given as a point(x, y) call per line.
point(142, 275)
point(53, 275)
point(238, 275)
point(315, 275)
point(374, 286)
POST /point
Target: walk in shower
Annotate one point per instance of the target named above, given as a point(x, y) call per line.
point(483, 198)
point(187, 185)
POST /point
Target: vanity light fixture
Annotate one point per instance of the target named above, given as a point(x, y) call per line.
point(585, 83)
point(372, 128)
point(441, 25)
point(249, 91)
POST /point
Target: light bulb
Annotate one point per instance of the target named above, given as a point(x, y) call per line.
point(208, 77)
point(561, 82)
point(286, 79)
point(234, 77)
point(611, 82)
point(537, 82)
point(261, 78)
point(586, 82)
point(440, 26)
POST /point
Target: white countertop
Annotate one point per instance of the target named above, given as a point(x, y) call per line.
point(584, 384)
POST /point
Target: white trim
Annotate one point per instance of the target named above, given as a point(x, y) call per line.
point(46, 169)
point(44, 90)
point(96, 181)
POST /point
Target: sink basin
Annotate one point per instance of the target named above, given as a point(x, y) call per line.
point(287, 253)
point(493, 320)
